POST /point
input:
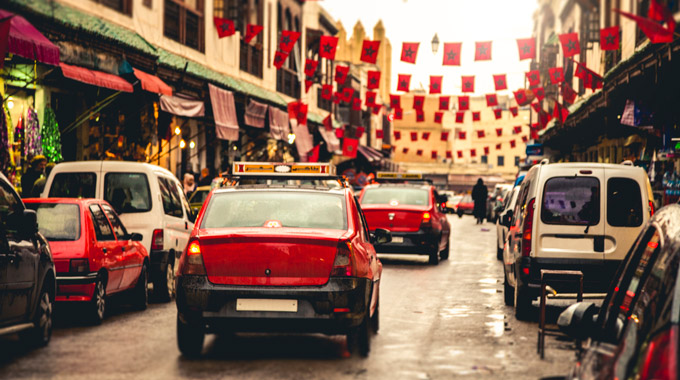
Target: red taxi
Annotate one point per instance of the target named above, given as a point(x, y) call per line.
point(284, 248)
point(94, 255)
point(411, 210)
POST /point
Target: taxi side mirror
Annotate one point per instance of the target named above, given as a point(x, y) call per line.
point(381, 236)
point(136, 237)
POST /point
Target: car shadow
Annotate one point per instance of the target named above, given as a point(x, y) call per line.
point(403, 260)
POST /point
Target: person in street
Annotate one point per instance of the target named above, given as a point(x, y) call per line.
point(205, 179)
point(35, 170)
point(479, 195)
point(188, 184)
point(39, 184)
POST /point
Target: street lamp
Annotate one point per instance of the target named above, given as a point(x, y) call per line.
point(435, 44)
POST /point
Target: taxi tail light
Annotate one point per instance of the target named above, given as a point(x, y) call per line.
point(427, 218)
point(157, 240)
point(193, 259)
point(528, 229)
point(661, 357)
point(344, 266)
point(79, 266)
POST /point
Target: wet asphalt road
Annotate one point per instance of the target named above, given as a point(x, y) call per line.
point(441, 322)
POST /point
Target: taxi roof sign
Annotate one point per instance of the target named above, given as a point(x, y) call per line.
point(283, 169)
point(394, 175)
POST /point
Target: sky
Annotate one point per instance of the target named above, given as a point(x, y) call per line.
point(466, 21)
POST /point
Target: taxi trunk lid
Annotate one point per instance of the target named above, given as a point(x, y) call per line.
point(269, 256)
point(395, 219)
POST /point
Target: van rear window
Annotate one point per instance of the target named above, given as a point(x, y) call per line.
point(127, 192)
point(571, 201)
point(624, 203)
point(73, 185)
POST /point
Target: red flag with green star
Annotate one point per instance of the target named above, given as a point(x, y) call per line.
point(224, 26)
point(500, 82)
point(520, 97)
point(444, 136)
point(460, 117)
point(497, 113)
point(395, 101)
point(556, 75)
point(426, 136)
point(459, 153)
point(326, 91)
point(279, 59)
point(462, 135)
point(349, 147)
point(570, 45)
point(539, 92)
point(483, 51)
point(373, 80)
point(420, 116)
point(468, 83)
point(252, 31)
point(341, 74)
point(444, 103)
point(534, 78)
point(327, 47)
point(438, 117)
point(310, 67)
point(514, 111)
point(609, 38)
point(370, 98)
point(403, 82)
point(560, 113)
point(434, 155)
point(452, 53)
point(476, 116)
point(436, 84)
point(463, 103)
point(527, 48)
point(369, 51)
point(288, 40)
point(418, 102)
point(491, 100)
point(356, 104)
point(568, 93)
point(409, 51)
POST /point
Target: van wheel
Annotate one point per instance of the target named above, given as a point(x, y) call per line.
point(499, 253)
point(164, 284)
point(140, 295)
point(41, 333)
point(190, 337)
point(522, 302)
point(97, 305)
point(444, 255)
point(359, 337)
point(460, 214)
point(508, 292)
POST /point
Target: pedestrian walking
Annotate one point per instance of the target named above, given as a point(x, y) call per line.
point(188, 184)
point(479, 195)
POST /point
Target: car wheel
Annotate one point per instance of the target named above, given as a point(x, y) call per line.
point(164, 284)
point(499, 253)
point(508, 292)
point(460, 214)
point(140, 294)
point(98, 303)
point(359, 338)
point(375, 319)
point(41, 333)
point(522, 302)
point(434, 257)
point(190, 338)
point(444, 255)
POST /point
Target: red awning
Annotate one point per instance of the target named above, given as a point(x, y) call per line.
point(153, 83)
point(26, 41)
point(95, 78)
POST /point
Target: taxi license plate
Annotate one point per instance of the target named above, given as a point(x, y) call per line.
point(265, 304)
point(397, 239)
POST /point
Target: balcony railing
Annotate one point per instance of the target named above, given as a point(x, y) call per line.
point(287, 82)
point(251, 59)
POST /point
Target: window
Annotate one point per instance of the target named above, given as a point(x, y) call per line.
point(10, 212)
point(624, 203)
point(516, 160)
point(122, 6)
point(102, 228)
point(73, 185)
point(148, 3)
point(485, 159)
point(118, 229)
point(171, 202)
point(396, 196)
point(58, 221)
point(183, 22)
point(500, 161)
point(571, 201)
point(127, 192)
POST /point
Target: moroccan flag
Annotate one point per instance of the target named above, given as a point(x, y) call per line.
point(337, 97)
point(570, 45)
point(224, 26)
point(419, 152)
point(500, 82)
point(497, 113)
point(525, 138)
point(404, 150)
point(349, 147)
point(252, 31)
point(370, 98)
point(556, 75)
point(327, 47)
point(398, 114)
point(481, 134)
point(463, 103)
point(486, 150)
point(444, 103)
point(418, 102)
point(328, 122)
point(513, 143)
point(288, 40)
point(395, 101)
point(449, 154)
point(539, 92)
point(560, 113)
point(536, 106)
point(459, 153)
point(376, 109)
point(279, 59)
point(473, 152)
point(373, 80)
point(534, 78)
point(420, 116)
point(609, 38)
point(302, 113)
point(452, 53)
point(590, 78)
point(653, 30)
point(468, 83)
point(514, 111)
point(527, 48)
point(426, 136)
point(308, 85)
point(520, 97)
point(568, 93)
point(310, 67)
point(460, 117)
point(293, 109)
point(326, 91)
point(347, 93)
point(498, 146)
point(461, 135)
point(409, 51)
point(438, 117)
point(476, 116)
point(499, 132)
point(341, 74)
point(414, 136)
point(356, 104)
point(313, 155)
point(444, 136)
point(378, 133)
point(397, 135)
point(534, 133)
point(436, 84)
point(340, 132)
point(434, 155)
point(517, 129)
point(491, 100)
point(403, 82)
point(359, 132)
point(369, 51)
point(483, 51)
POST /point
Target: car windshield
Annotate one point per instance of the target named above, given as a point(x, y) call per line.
point(396, 196)
point(57, 221)
point(291, 209)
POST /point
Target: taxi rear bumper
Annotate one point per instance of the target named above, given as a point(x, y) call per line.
point(421, 242)
point(332, 308)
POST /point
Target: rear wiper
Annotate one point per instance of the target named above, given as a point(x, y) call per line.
point(588, 226)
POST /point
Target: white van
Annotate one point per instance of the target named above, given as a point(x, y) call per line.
point(149, 200)
point(573, 216)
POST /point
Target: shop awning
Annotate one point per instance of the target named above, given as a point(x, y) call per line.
point(152, 83)
point(95, 78)
point(372, 155)
point(26, 41)
point(182, 106)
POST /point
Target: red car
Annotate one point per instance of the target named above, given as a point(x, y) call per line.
point(94, 255)
point(280, 251)
point(413, 214)
point(465, 206)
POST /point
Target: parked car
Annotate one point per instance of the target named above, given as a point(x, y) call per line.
point(94, 255)
point(197, 198)
point(413, 213)
point(446, 205)
point(573, 216)
point(452, 203)
point(502, 229)
point(634, 335)
point(315, 269)
point(149, 200)
point(27, 276)
point(465, 206)
point(495, 201)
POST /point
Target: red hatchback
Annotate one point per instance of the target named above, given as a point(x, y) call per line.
point(94, 255)
point(279, 255)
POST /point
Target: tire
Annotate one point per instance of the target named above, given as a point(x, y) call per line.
point(522, 302)
point(460, 214)
point(40, 334)
point(97, 306)
point(375, 319)
point(508, 292)
point(499, 253)
point(434, 257)
point(359, 338)
point(444, 255)
point(164, 284)
point(140, 295)
point(190, 337)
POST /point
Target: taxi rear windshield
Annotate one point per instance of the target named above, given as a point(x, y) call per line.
point(395, 196)
point(276, 209)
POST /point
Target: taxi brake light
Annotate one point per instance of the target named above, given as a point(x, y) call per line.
point(192, 262)
point(528, 228)
point(426, 217)
point(660, 360)
point(343, 266)
point(157, 240)
point(341, 310)
point(79, 266)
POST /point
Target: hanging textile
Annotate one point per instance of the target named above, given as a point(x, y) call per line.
point(4, 143)
point(32, 145)
point(224, 112)
point(278, 124)
point(182, 106)
point(51, 138)
point(332, 141)
point(255, 113)
point(303, 140)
